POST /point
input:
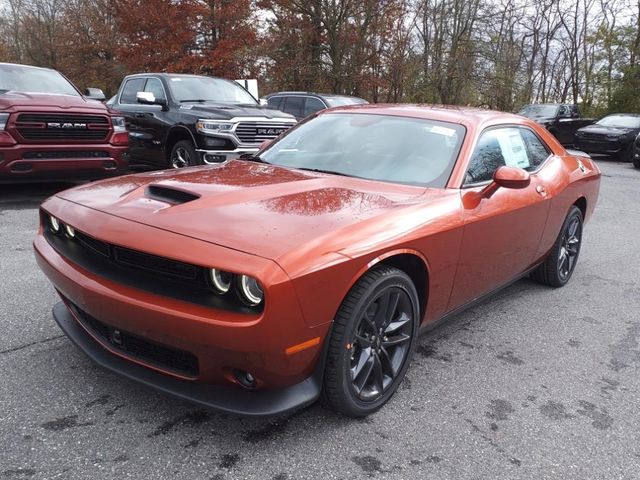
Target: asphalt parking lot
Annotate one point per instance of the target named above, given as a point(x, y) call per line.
point(535, 383)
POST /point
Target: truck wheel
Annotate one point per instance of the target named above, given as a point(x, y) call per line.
point(636, 162)
point(627, 154)
point(183, 154)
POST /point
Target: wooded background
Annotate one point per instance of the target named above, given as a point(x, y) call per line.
point(495, 53)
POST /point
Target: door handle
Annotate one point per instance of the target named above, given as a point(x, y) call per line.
point(541, 191)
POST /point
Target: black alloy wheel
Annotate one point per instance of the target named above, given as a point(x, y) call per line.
point(557, 268)
point(372, 342)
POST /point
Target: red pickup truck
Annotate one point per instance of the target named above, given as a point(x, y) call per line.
point(50, 131)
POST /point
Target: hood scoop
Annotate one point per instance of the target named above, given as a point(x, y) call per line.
point(175, 196)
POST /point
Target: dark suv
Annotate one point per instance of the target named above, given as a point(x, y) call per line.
point(303, 104)
point(179, 120)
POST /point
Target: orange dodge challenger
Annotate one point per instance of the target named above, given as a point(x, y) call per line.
point(258, 285)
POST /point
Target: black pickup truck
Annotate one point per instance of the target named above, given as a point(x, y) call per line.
point(184, 120)
point(562, 120)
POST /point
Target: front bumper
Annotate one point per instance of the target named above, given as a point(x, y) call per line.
point(222, 398)
point(605, 147)
point(219, 156)
point(27, 162)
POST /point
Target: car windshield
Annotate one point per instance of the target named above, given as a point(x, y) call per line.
point(341, 101)
point(624, 121)
point(377, 147)
point(207, 89)
point(548, 111)
point(21, 78)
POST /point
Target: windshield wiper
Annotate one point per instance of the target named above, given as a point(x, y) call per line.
point(330, 172)
point(197, 100)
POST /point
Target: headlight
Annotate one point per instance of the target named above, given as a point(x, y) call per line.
point(213, 126)
point(220, 280)
point(55, 224)
point(4, 118)
point(119, 125)
point(69, 231)
point(250, 290)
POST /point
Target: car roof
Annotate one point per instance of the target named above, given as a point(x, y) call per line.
point(26, 66)
point(171, 75)
point(466, 116)
point(313, 94)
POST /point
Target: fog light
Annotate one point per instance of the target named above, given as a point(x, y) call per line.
point(109, 165)
point(55, 224)
point(70, 231)
point(211, 158)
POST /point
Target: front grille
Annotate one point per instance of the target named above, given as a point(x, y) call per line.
point(65, 154)
point(139, 348)
point(138, 260)
point(53, 126)
point(258, 132)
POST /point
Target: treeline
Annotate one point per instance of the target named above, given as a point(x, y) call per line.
point(495, 53)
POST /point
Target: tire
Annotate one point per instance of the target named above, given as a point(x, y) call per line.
point(627, 154)
point(558, 266)
point(636, 162)
point(183, 154)
point(364, 366)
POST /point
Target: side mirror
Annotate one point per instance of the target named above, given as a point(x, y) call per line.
point(265, 144)
point(264, 102)
point(511, 177)
point(148, 98)
point(95, 94)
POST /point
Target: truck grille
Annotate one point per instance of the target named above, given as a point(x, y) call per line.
point(139, 348)
point(258, 132)
point(61, 127)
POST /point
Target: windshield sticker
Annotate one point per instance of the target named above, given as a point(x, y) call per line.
point(449, 132)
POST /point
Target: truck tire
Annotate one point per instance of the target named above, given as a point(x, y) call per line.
point(183, 154)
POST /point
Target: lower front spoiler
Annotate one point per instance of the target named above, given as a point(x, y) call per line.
point(233, 400)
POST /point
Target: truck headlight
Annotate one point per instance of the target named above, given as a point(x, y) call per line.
point(119, 125)
point(211, 127)
point(4, 118)
point(250, 290)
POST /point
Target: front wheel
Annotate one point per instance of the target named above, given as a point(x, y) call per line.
point(557, 268)
point(372, 342)
point(183, 154)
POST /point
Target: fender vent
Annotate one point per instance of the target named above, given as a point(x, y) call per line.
point(170, 195)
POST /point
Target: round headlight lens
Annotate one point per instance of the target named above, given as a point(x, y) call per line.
point(220, 280)
point(55, 224)
point(70, 231)
point(250, 290)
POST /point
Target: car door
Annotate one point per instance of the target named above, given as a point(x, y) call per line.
point(152, 125)
point(128, 105)
point(502, 230)
point(565, 126)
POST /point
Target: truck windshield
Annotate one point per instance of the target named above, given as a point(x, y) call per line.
point(623, 121)
point(22, 78)
point(533, 111)
point(388, 148)
point(207, 89)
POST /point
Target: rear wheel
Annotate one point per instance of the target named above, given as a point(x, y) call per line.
point(183, 154)
point(559, 265)
point(372, 342)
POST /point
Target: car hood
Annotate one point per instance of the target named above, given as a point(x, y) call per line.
point(610, 131)
point(225, 111)
point(59, 102)
point(256, 208)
